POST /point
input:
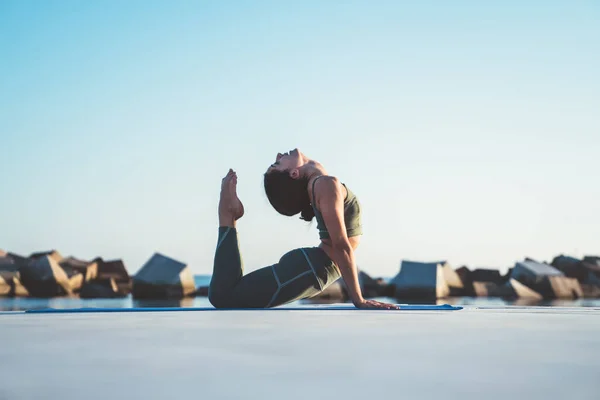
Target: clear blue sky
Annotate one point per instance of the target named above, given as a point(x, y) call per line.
point(469, 130)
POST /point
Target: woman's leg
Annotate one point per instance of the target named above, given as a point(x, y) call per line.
point(303, 273)
point(228, 287)
point(227, 268)
point(299, 273)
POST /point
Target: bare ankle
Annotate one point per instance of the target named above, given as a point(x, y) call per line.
point(227, 221)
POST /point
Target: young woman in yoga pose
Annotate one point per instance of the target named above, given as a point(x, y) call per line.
point(294, 184)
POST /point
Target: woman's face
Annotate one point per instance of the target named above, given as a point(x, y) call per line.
point(287, 161)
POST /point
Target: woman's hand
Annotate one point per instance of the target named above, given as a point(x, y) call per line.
point(375, 305)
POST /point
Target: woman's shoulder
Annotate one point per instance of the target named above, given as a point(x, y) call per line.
point(326, 181)
point(328, 185)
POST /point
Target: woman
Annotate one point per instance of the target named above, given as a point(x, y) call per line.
point(294, 184)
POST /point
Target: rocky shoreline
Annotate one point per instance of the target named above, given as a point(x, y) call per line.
point(48, 274)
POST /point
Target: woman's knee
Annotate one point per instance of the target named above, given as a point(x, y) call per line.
point(217, 299)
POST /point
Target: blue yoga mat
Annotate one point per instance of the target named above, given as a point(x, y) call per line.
point(403, 307)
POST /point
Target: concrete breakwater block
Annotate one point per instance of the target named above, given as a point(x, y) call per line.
point(73, 266)
point(371, 287)
point(546, 280)
point(592, 267)
point(592, 279)
point(594, 260)
point(10, 284)
point(453, 280)
point(466, 277)
point(100, 288)
point(512, 289)
point(529, 272)
point(77, 270)
point(560, 287)
point(590, 291)
point(585, 271)
point(76, 282)
point(163, 277)
point(420, 280)
point(43, 277)
point(4, 259)
point(492, 289)
point(483, 276)
point(201, 291)
point(522, 291)
point(487, 275)
point(53, 254)
point(6, 283)
point(11, 262)
point(111, 269)
point(569, 266)
point(114, 269)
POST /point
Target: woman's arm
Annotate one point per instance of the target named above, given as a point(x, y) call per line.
point(330, 203)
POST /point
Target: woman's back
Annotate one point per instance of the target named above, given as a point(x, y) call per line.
point(352, 220)
point(352, 217)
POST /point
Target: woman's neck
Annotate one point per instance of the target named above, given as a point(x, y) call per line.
point(313, 169)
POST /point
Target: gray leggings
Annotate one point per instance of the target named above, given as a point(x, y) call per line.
point(299, 274)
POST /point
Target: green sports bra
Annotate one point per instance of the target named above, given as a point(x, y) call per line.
point(351, 214)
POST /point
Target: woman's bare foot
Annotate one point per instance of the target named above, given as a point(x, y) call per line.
point(230, 207)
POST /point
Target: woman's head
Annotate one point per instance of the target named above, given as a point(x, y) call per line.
point(286, 186)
